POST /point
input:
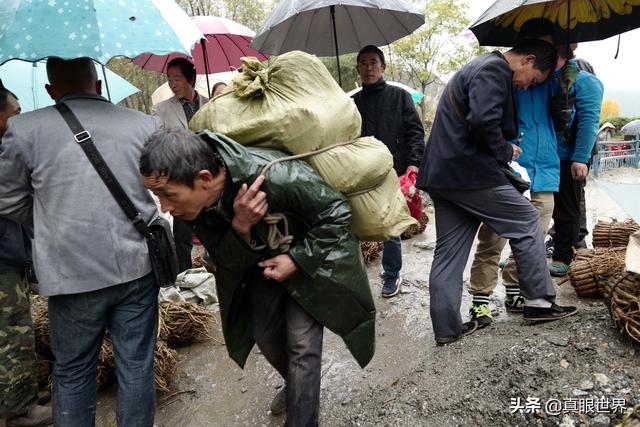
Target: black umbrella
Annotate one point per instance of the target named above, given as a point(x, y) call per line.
point(585, 20)
point(330, 27)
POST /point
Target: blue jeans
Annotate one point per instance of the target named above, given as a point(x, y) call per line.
point(392, 257)
point(76, 326)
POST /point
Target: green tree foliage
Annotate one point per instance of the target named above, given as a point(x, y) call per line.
point(436, 49)
point(347, 70)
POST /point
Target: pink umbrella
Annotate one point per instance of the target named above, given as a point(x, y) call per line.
point(226, 42)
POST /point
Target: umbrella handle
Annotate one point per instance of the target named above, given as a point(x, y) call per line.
point(332, 10)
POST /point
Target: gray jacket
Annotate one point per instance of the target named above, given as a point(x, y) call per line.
point(171, 113)
point(83, 240)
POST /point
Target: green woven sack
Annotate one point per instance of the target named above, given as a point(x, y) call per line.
point(354, 167)
point(382, 213)
point(290, 103)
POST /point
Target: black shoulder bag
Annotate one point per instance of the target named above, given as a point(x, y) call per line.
point(162, 249)
point(514, 179)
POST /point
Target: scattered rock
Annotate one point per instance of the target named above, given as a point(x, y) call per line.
point(564, 364)
point(586, 385)
point(600, 421)
point(559, 341)
point(601, 378)
point(577, 392)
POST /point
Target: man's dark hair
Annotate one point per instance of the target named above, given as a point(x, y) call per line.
point(187, 68)
point(536, 28)
point(545, 53)
point(371, 49)
point(4, 96)
point(77, 74)
point(179, 155)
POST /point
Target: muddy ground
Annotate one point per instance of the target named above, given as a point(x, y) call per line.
point(411, 382)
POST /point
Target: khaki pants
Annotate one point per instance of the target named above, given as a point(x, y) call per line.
point(484, 271)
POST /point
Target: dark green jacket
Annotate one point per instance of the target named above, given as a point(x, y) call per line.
point(331, 283)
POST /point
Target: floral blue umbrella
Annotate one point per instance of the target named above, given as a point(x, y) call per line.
point(27, 81)
point(100, 29)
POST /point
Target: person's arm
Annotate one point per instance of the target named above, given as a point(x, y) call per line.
point(323, 210)
point(589, 92)
point(16, 200)
point(413, 131)
point(488, 90)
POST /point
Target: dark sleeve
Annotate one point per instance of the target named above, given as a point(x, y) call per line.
point(325, 212)
point(413, 131)
point(488, 90)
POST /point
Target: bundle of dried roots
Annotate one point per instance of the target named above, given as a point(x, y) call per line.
point(613, 233)
point(370, 251)
point(414, 230)
point(592, 267)
point(186, 322)
point(164, 365)
point(622, 295)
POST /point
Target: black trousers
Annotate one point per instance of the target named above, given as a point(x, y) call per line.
point(291, 340)
point(183, 236)
point(566, 214)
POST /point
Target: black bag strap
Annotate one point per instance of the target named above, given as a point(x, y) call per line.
point(83, 138)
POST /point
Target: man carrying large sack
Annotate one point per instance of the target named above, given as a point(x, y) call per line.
point(278, 284)
point(388, 113)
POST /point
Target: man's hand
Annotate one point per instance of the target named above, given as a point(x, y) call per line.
point(249, 206)
point(278, 268)
point(579, 171)
point(517, 151)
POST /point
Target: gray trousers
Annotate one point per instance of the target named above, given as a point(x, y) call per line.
point(291, 340)
point(458, 215)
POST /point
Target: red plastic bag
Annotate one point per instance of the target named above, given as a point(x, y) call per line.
point(411, 193)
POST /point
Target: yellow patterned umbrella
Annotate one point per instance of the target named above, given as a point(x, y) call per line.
point(586, 19)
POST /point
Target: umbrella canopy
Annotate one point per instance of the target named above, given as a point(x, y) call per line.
point(329, 27)
point(307, 25)
point(588, 20)
point(27, 81)
point(164, 91)
point(100, 29)
point(631, 128)
point(415, 95)
point(226, 42)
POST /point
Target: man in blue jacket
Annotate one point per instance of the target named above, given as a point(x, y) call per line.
point(575, 144)
point(18, 378)
point(462, 169)
point(540, 159)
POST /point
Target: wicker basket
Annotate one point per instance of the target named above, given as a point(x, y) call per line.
point(613, 233)
point(591, 268)
point(623, 299)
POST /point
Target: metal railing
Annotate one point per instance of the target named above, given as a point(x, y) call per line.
point(616, 154)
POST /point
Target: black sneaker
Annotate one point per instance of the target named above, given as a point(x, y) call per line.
point(514, 303)
point(467, 329)
point(548, 245)
point(555, 312)
point(391, 287)
point(481, 313)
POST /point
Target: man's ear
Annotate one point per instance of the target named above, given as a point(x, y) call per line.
point(529, 59)
point(384, 67)
point(51, 91)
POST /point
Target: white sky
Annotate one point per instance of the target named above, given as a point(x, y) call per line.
point(620, 73)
